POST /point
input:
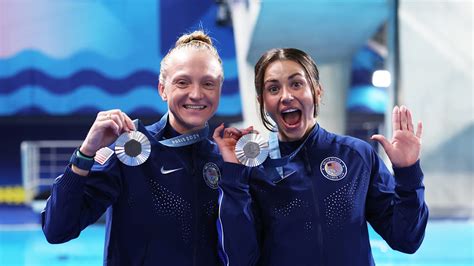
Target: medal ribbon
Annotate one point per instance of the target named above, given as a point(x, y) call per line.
point(276, 161)
point(184, 139)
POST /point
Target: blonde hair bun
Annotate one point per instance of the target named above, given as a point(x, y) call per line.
point(197, 35)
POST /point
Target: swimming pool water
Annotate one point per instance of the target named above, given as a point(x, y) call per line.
point(446, 243)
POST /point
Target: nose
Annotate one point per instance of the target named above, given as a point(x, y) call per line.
point(196, 92)
point(286, 96)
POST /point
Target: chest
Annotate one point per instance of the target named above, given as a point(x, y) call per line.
point(172, 183)
point(326, 187)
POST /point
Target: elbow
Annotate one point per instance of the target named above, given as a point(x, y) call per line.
point(411, 240)
point(52, 234)
point(53, 238)
point(409, 248)
point(409, 245)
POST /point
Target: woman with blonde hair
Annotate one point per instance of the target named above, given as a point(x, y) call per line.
point(163, 211)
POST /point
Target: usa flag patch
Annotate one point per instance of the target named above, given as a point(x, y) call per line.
point(103, 155)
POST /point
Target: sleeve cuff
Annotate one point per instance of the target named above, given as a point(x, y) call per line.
point(70, 181)
point(409, 176)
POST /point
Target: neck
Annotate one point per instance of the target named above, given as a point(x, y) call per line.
point(181, 129)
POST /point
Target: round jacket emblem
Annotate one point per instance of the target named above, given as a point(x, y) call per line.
point(211, 174)
point(333, 168)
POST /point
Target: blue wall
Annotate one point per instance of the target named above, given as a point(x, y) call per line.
point(61, 63)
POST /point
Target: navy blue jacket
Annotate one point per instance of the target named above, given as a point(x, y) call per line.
point(154, 216)
point(318, 214)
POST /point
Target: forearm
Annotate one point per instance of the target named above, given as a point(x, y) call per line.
point(396, 207)
point(76, 202)
point(410, 210)
point(61, 216)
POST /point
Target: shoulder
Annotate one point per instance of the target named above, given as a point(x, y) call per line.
point(154, 128)
point(343, 144)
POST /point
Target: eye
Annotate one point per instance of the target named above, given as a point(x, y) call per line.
point(273, 89)
point(297, 84)
point(209, 85)
point(181, 83)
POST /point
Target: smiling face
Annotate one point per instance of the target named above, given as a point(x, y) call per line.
point(192, 88)
point(288, 99)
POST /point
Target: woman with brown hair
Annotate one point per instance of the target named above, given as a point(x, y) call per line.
point(313, 206)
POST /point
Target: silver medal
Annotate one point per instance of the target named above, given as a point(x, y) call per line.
point(251, 149)
point(132, 148)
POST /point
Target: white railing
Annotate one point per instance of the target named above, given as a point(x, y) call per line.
point(43, 161)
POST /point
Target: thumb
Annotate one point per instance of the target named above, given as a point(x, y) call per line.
point(218, 132)
point(383, 141)
point(247, 130)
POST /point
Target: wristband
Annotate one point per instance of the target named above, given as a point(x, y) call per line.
point(80, 154)
point(81, 160)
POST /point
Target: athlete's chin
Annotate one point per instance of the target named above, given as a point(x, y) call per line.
point(195, 122)
point(194, 119)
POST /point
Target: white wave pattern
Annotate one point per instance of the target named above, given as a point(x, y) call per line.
point(62, 68)
point(91, 96)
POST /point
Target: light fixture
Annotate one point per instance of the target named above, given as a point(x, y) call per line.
point(381, 78)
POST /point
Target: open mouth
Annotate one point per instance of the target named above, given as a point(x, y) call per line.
point(291, 116)
point(194, 107)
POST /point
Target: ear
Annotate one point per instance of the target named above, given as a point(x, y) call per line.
point(161, 91)
point(319, 93)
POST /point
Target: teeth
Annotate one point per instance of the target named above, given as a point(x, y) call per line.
point(289, 111)
point(195, 107)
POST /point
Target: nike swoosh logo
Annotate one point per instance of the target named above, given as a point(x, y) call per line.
point(165, 172)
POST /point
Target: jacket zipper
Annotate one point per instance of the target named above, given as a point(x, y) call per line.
point(317, 210)
point(195, 205)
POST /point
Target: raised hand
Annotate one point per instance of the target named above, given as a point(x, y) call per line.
point(226, 142)
point(405, 147)
point(107, 127)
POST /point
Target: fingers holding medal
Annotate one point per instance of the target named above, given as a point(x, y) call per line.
point(251, 149)
point(106, 128)
point(244, 146)
point(131, 146)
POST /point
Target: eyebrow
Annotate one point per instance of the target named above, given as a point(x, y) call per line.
point(187, 76)
point(180, 76)
point(212, 77)
point(294, 75)
point(275, 80)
